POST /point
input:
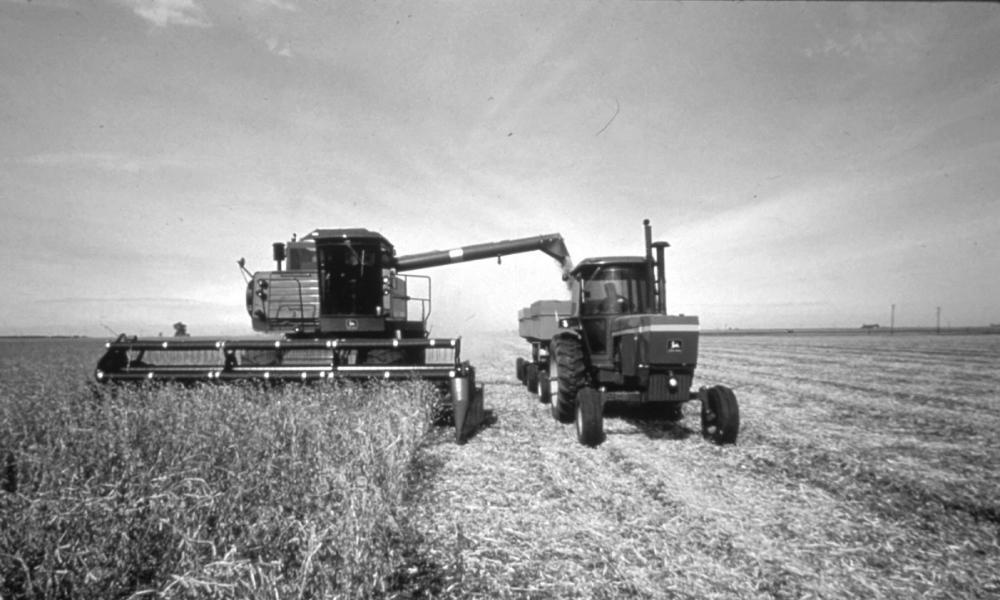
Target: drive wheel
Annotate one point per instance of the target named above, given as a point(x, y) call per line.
point(589, 417)
point(531, 377)
point(519, 369)
point(567, 376)
point(720, 415)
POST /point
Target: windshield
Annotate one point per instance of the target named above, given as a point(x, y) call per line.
point(350, 279)
point(614, 290)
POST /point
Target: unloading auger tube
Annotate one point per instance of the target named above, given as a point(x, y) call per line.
point(343, 309)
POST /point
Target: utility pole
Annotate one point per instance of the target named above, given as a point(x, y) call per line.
point(892, 321)
point(939, 320)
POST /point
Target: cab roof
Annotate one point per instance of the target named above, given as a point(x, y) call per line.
point(588, 264)
point(354, 234)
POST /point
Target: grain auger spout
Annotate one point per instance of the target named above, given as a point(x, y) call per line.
point(340, 304)
point(551, 244)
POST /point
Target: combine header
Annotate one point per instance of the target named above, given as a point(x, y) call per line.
point(343, 307)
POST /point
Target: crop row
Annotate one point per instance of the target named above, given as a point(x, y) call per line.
point(229, 492)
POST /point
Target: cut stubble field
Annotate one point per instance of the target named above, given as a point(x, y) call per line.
point(865, 467)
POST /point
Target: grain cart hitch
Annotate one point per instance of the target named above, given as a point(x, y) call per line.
point(340, 304)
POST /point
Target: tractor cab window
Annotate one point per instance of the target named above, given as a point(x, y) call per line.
point(614, 291)
point(351, 277)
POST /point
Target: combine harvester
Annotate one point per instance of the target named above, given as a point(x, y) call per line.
point(614, 341)
point(343, 308)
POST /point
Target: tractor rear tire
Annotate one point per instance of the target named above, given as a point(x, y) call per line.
point(589, 418)
point(531, 377)
point(567, 372)
point(519, 369)
point(720, 415)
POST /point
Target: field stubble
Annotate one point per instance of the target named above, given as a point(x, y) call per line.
point(865, 468)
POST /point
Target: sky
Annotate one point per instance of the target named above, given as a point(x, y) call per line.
point(811, 164)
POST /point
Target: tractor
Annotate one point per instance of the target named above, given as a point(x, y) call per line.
point(340, 304)
point(613, 341)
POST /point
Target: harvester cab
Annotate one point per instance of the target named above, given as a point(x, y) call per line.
point(344, 306)
point(338, 282)
point(615, 341)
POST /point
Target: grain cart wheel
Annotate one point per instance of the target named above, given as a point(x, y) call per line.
point(567, 376)
point(589, 417)
point(720, 415)
point(544, 387)
point(531, 377)
point(519, 369)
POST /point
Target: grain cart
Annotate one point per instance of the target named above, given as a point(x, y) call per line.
point(343, 305)
point(614, 341)
point(538, 324)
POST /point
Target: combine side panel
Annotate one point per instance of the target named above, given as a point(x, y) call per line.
point(284, 301)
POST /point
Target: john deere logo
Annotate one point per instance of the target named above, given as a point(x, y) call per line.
point(674, 345)
point(352, 324)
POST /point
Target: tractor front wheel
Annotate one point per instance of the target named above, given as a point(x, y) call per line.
point(566, 373)
point(519, 369)
point(589, 417)
point(720, 415)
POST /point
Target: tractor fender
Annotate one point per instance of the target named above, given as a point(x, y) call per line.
point(574, 333)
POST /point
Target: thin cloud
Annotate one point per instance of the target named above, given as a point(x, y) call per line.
point(163, 13)
point(282, 4)
point(106, 161)
point(274, 46)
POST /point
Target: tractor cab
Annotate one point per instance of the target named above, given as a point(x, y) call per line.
point(607, 287)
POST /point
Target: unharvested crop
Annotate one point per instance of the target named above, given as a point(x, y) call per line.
point(218, 492)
